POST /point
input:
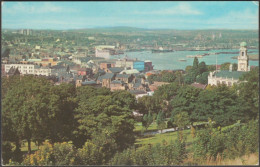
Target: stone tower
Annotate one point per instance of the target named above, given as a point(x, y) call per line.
point(243, 58)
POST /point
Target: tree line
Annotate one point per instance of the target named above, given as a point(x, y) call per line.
point(35, 110)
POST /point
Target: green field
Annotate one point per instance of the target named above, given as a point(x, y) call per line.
point(139, 127)
point(159, 138)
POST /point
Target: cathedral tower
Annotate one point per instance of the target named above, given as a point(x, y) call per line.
point(243, 58)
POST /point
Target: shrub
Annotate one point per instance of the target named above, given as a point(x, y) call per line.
point(44, 156)
point(64, 153)
point(89, 154)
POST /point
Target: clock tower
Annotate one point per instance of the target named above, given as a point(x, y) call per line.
point(243, 58)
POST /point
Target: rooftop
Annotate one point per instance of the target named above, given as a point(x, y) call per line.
point(116, 69)
point(132, 71)
point(198, 85)
point(123, 75)
point(228, 74)
point(106, 76)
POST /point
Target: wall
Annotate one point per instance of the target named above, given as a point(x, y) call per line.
point(139, 65)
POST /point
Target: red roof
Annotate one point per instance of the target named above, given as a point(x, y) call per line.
point(198, 85)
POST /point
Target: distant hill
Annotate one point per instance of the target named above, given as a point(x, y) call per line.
point(110, 29)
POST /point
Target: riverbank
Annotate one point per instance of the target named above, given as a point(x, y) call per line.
point(251, 57)
point(171, 60)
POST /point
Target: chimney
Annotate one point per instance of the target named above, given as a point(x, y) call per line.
point(230, 67)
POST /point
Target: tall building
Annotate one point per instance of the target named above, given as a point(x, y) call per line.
point(25, 32)
point(243, 58)
point(230, 77)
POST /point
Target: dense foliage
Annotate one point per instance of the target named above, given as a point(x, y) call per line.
point(164, 76)
point(161, 154)
point(94, 126)
point(35, 110)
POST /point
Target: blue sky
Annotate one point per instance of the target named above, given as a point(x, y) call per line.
point(152, 15)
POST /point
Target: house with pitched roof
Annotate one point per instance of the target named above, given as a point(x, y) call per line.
point(117, 85)
point(126, 78)
point(106, 79)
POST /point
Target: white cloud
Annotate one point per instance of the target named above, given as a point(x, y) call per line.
point(46, 7)
point(246, 19)
point(182, 8)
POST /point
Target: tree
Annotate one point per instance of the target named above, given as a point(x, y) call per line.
point(203, 78)
point(182, 120)
point(202, 67)
point(100, 112)
point(225, 66)
point(124, 99)
point(185, 100)
point(62, 103)
point(89, 154)
point(222, 105)
point(195, 63)
point(248, 94)
point(27, 106)
point(166, 92)
point(160, 121)
point(179, 77)
point(168, 76)
point(188, 68)
point(190, 78)
point(147, 120)
point(148, 104)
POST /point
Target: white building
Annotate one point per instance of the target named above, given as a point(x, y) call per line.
point(23, 68)
point(128, 64)
point(230, 77)
point(104, 53)
point(42, 71)
point(29, 69)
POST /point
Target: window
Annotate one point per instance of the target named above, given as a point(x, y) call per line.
point(242, 53)
point(229, 84)
point(223, 82)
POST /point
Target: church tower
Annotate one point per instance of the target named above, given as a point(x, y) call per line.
point(243, 58)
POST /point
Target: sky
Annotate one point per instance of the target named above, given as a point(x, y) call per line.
point(185, 15)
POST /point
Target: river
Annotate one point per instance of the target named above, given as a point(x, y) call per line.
point(170, 60)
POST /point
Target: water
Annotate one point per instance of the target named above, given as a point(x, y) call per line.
point(170, 60)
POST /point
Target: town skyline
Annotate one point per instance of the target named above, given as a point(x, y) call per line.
point(148, 15)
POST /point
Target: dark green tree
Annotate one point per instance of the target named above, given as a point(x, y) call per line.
point(185, 100)
point(203, 78)
point(195, 63)
point(202, 67)
point(27, 106)
point(147, 120)
point(160, 121)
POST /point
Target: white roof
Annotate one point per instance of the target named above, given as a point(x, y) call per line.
point(132, 71)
